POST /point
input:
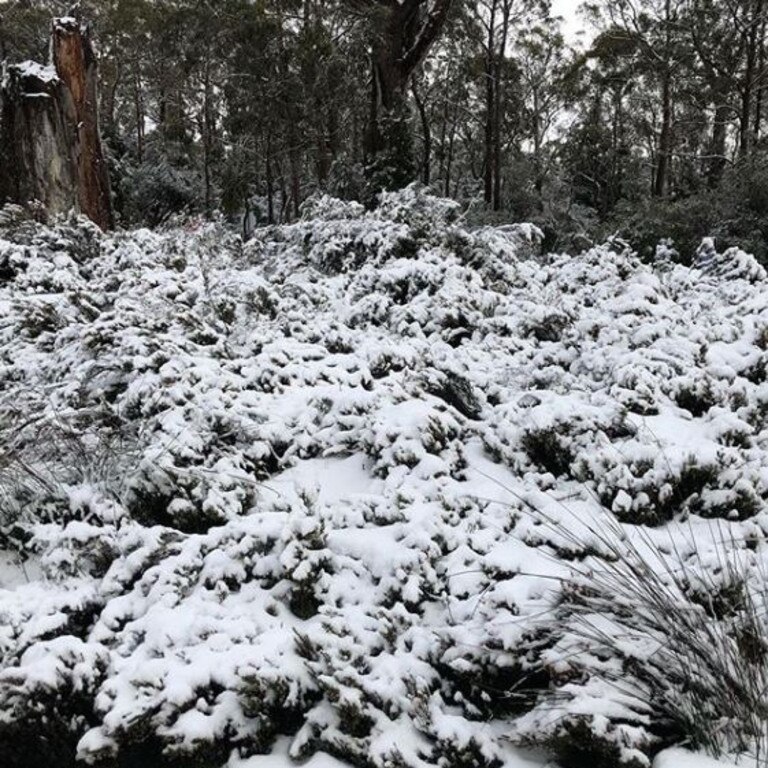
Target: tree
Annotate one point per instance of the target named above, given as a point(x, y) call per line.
point(401, 34)
point(50, 131)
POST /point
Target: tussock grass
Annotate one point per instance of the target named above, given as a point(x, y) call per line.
point(672, 629)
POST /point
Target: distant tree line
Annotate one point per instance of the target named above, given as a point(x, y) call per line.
point(655, 129)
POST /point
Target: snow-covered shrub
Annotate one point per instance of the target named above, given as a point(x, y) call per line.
point(47, 701)
point(545, 448)
point(306, 560)
point(155, 190)
point(418, 437)
point(468, 417)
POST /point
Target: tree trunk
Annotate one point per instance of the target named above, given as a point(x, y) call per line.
point(449, 161)
point(717, 159)
point(490, 107)
point(402, 36)
point(761, 75)
point(661, 179)
point(208, 126)
point(538, 150)
point(50, 131)
point(747, 93)
point(138, 112)
point(269, 180)
point(38, 141)
point(50, 134)
point(665, 138)
point(76, 66)
point(426, 163)
point(498, 119)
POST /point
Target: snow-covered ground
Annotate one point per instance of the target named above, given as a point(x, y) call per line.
point(332, 492)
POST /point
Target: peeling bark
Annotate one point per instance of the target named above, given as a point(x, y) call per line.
point(50, 130)
point(39, 162)
point(75, 63)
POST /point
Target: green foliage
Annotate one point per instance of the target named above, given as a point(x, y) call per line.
point(156, 190)
point(577, 744)
point(546, 449)
point(393, 165)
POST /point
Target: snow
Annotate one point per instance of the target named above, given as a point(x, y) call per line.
point(680, 758)
point(16, 570)
point(43, 73)
point(340, 481)
point(279, 758)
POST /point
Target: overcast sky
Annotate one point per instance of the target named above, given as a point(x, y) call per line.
point(568, 9)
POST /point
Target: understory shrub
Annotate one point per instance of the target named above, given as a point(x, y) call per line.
point(279, 494)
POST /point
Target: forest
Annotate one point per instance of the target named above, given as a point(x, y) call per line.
point(651, 126)
point(384, 384)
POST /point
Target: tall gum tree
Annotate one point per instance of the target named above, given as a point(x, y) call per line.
point(402, 32)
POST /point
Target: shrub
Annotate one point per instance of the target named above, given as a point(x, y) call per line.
point(547, 449)
point(47, 702)
point(155, 190)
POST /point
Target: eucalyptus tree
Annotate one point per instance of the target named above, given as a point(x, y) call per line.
point(401, 33)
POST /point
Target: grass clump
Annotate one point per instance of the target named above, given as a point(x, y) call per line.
point(687, 647)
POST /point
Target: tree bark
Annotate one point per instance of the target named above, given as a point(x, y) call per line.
point(76, 66)
point(665, 138)
point(661, 181)
point(37, 140)
point(747, 94)
point(717, 160)
point(761, 75)
point(208, 128)
point(426, 163)
point(490, 107)
point(50, 131)
point(269, 180)
point(498, 118)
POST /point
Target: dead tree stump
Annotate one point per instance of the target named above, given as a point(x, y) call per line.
point(49, 130)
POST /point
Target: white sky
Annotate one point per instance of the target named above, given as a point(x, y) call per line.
point(568, 9)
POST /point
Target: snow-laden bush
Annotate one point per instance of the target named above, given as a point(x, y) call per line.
point(341, 484)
